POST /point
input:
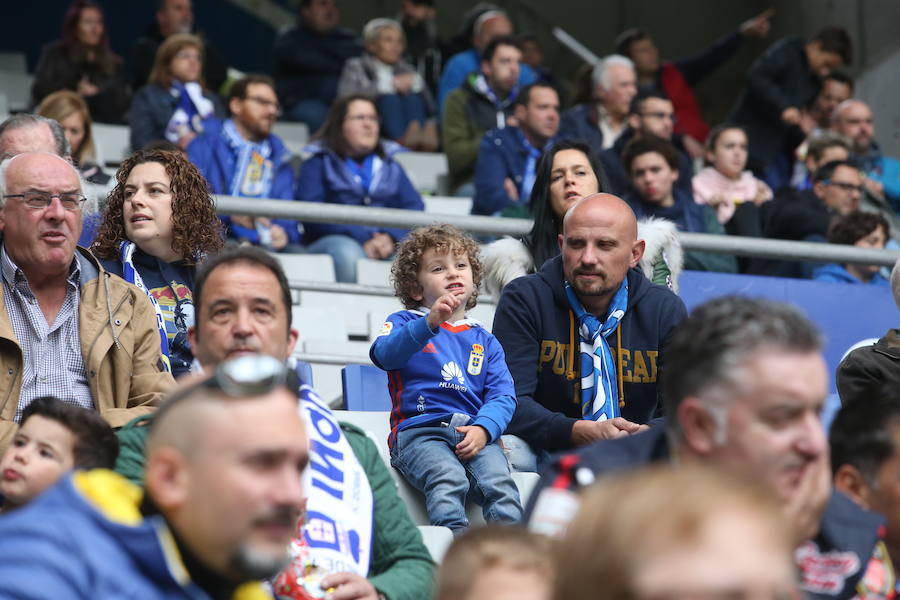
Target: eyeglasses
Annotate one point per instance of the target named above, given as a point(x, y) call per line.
point(661, 116)
point(41, 200)
point(265, 102)
point(847, 187)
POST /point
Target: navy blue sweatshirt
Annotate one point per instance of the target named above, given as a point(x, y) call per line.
point(172, 285)
point(831, 564)
point(539, 334)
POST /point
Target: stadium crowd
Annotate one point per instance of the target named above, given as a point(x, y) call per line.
point(159, 439)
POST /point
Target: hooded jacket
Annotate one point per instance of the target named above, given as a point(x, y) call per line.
point(831, 565)
point(539, 333)
point(836, 273)
point(119, 342)
point(213, 156)
point(86, 538)
point(325, 178)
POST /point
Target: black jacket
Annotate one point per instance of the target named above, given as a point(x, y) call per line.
point(539, 334)
point(870, 367)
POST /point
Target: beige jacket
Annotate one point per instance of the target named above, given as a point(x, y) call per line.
point(119, 342)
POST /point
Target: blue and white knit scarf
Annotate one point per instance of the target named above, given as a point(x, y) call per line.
point(253, 168)
point(130, 274)
point(190, 111)
point(599, 389)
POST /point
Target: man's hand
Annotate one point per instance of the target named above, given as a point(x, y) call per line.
point(510, 188)
point(807, 503)
point(875, 188)
point(279, 237)
point(791, 116)
point(379, 246)
point(586, 431)
point(403, 83)
point(759, 25)
point(475, 438)
point(86, 88)
point(694, 148)
point(442, 309)
point(348, 586)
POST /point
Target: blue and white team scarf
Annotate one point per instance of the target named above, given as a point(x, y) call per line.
point(530, 173)
point(253, 168)
point(192, 108)
point(501, 104)
point(130, 274)
point(599, 389)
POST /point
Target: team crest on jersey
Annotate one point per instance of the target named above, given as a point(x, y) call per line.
point(476, 359)
point(386, 328)
point(825, 572)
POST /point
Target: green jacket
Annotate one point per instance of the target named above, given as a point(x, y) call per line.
point(401, 567)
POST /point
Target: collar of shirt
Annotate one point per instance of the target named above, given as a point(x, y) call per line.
point(13, 275)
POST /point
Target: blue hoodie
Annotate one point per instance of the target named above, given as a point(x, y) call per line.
point(836, 273)
point(212, 155)
point(539, 334)
point(324, 177)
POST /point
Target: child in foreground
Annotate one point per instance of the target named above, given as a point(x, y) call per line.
point(53, 438)
point(450, 388)
point(496, 562)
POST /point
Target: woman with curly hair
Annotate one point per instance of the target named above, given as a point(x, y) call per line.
point(160, 221)
point(82, 61)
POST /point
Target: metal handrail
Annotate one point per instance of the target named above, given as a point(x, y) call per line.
point(317, 212)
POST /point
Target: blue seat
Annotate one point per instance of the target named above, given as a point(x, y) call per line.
point(304, 371)
point(365, 388)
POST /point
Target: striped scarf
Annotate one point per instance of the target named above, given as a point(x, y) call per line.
point(130, 274)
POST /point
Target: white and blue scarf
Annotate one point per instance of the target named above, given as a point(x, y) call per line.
point(192, 108)
point(599, 389)
point(253, 168)
point(130, 274)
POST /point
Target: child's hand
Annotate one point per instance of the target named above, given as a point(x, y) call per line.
point(475, 438)
point(442, 309)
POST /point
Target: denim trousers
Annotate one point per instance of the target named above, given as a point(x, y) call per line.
point(398, 111)
point(425, 456)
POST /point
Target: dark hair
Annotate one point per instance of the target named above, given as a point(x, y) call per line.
point(331, 135)
point(96, 444)
point(251, 255)
point(196, 229)
point(716, 132)
point(625, 39)
point(841, 77)
point(827, 170)
point(862, 431)
point(541, 240)
point(441, 238)
point(637, 103)
point(500, 40)
point(76, 51)
point(707, 349)
point(853, 227)
point(524, 96)
point(24, 120)
point(645, 145)
point(835, 39)
point(239, 87)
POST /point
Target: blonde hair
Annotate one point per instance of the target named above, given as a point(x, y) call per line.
point(489, 547)
point(161, 74)
point(625, 518)
point(60, 106)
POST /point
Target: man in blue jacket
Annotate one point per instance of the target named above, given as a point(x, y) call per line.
point(584, 336)
point(241, 157)
point(744, 386)
point(508, 157)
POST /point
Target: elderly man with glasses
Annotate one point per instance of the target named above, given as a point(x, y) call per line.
point(68, 328)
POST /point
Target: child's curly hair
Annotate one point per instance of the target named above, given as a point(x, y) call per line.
point(442, 238)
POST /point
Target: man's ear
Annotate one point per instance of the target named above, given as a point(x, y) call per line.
point(634, 121)
point(699, 430)
point(519, 113)
point(849, 481)
point(234, 106)
point(560, 241)
point(637, 252)
point(191, 333)
point(166, 477)
point(293, 336)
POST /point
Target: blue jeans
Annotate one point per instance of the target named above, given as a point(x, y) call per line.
point(309, 111)
point(398, 111)
point(344, 250)
point(519, 455)
point(425, 456)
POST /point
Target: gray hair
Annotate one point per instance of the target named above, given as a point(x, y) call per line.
point(708, 352)
point(27, 120)
point(373, 28)
point(484, 18)
point(600, 76)
point(840, 108)
point(895, 282)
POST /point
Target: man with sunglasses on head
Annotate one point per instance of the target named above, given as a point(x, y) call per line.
point(69, 329)
point(224, 490)
point(240, 156)
point(357, 529)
